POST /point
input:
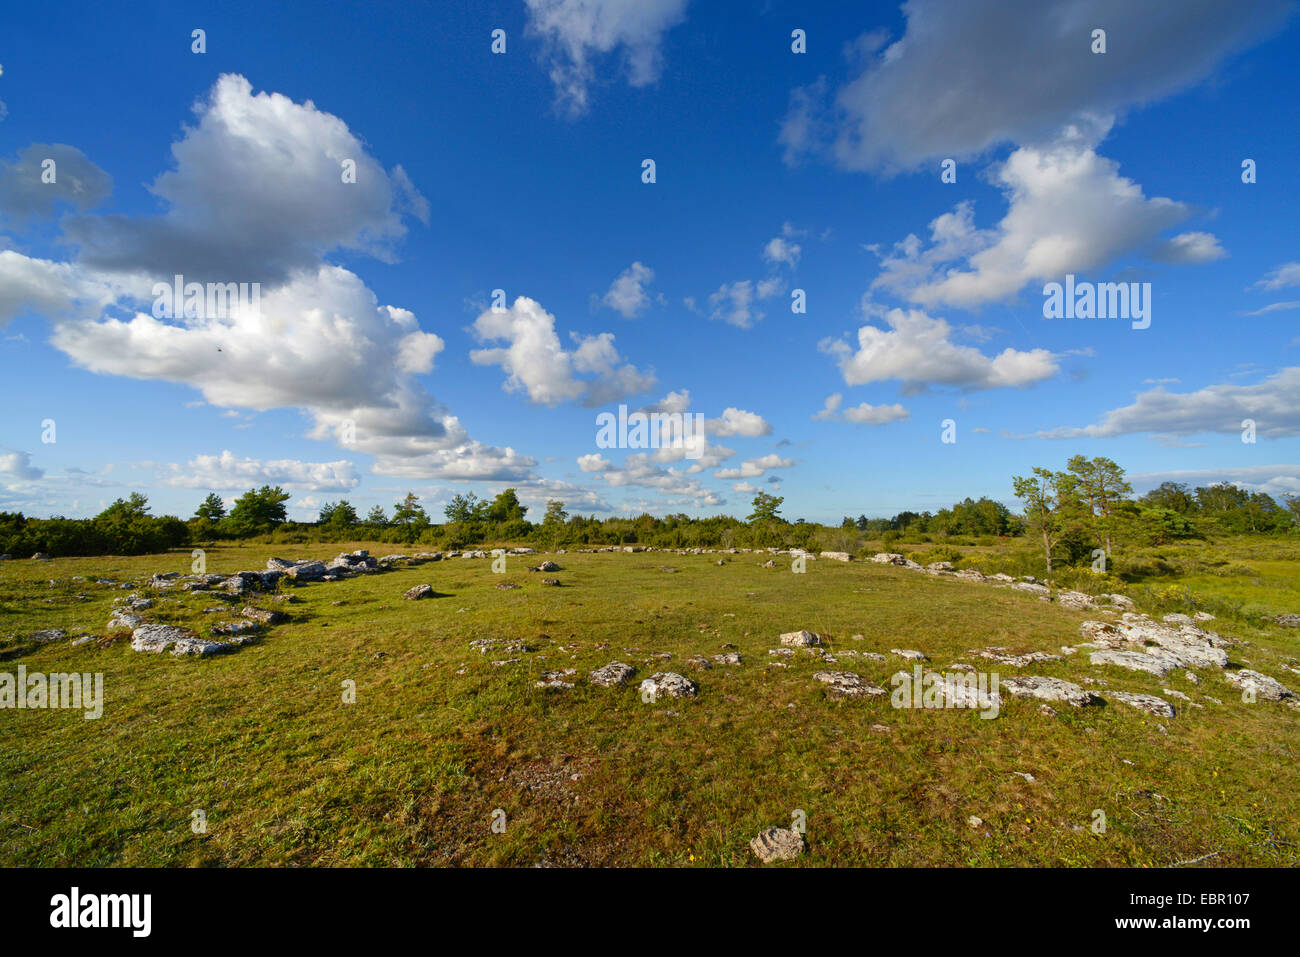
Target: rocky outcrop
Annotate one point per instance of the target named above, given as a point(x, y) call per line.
point(847, 684)
point(612, 674)
point(777, 844)
point(669, 684)
point(1048, 689)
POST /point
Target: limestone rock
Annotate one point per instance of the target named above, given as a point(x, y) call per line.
point(1048, 689)
point(777, 844)
point(418, 592)
point(263, 615)
point(612, 674)
point(1153, 664)
point(1144, 702)
point(800, 639)
point(1270, 689)
point(158, 638)
point(668, 683)
point(848, 684)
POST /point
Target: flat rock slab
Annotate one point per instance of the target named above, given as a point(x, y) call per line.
point(1048, 689)
point(848, 684)
point(557, 680)
point(613, 674)
point(200, 648)
point(668, 683)
point(1270, 689)
point(1157, 665)
point(263, 616)
point(50, 634)
point(1004, 657)
point(158, 638)
point(777, 844)
point(1144, 702)
point(800, 639)
point(908, 653)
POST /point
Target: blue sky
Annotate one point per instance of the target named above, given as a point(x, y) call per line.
point(376, 365)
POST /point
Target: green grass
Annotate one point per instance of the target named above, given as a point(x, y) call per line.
point(439, 738)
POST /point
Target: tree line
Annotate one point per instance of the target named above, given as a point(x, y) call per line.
point(1073, 515)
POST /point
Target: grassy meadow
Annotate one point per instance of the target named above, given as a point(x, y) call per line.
point(439, 737)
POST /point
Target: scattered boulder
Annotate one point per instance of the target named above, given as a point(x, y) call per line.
point(557, 680)
point(50, 634)
point(777, 844)
point(800, 639)
point(1270, 689)
point(837, 556)
point(552, 582)
point(888, 558)
point(124, 621)
point(198, 648)
point(1076, 600)
point(418, 592)
point(1003, 657)
point(158, 638)
point(263, 615)
point(1032, 587)
point(1048, 689)
point(307, 571)
point(1288, 621)
point(1153, 664)
point(848, 684)
point(909, 654)
point(547, 566)
point(730, 658)
point(668, 683)
point(1144, 702)
point(612, 674)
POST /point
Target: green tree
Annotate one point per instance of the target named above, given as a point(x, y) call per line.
point(212, 509)
point(258, 511)
point(1050, 499)
point(410, 512)
point(377, 517)
point(463, 508)
point(766, 509)
point(338, 515)
point(506, 507)
point(1100, 486)
point(555, 514)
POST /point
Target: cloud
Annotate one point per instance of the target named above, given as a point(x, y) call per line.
point(1275, 480)
point(52, 289)
point(672, 402)
point(1274, 405)
point(1190, 249)
point(18, 466)
point(24, 193)
point(753, 468)
point(256, 194)
point(917, 350)
point(575, 33)
point(733, 302)
point(627, 295)
point(781, 250)
point(639, 469)
point(536, 362)
point(738, 422)
point(1275, 307)
point(955, 83)
point(226, 471)
point(862, 414)
point(1069, 211)
point(1288, 274)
